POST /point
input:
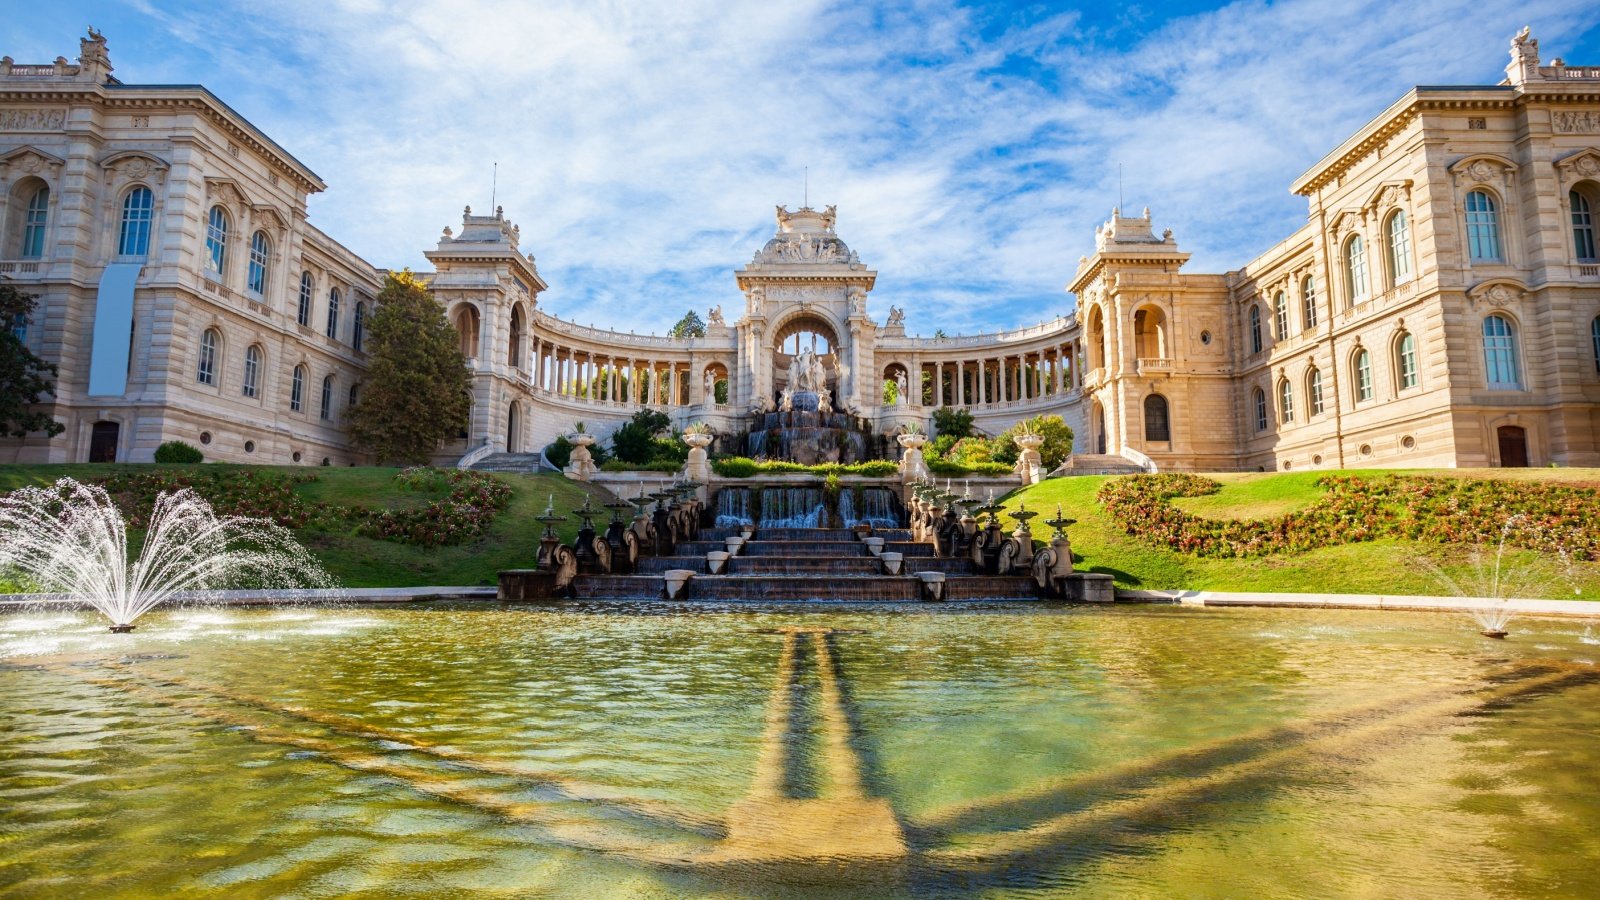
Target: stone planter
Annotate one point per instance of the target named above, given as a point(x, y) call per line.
point(581, 467)
point(892, 562)
point(912, 466)
point(733, 544)
point(696, 440)
point(698, 467)
point(932, 586)
point(676, 581)
point(717, 561)
point(874, 545)
point(748, 531)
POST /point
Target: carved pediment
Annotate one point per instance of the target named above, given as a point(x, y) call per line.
point(1579, 165)
point(135, 165)
point(226, 191)
point(804, 248)
point(1482, 168)
point(26, 160)
point(1497, 292)
point(265, 215)
point(1389, 194)
point(1344, 222)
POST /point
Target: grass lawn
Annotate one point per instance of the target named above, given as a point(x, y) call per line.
point(357, 561)
point(1386, 566)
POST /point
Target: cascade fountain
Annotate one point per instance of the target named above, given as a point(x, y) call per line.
point(791, 507)
point(72, 539)
point(877, 508)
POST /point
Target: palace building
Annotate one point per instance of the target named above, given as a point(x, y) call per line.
point(1439, 307)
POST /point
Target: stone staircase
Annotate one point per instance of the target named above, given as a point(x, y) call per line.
point(807, 564)
point(1096, 464)
point(508, 462)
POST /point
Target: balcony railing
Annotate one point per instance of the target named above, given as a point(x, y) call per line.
point(21, 268)
point(1151, 364)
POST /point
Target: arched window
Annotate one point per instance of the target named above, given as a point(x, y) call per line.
point(1405, 361)
point(514, 347)
point(252, 370)
point(1285, 401)
point(1582, 227)
point(1255, 328)
point(1363, 379)
point(259, 253)
point(1483, 227)
point(1260, 398)
point(1500, 354)
point(1355, 269)
point(358, 331)
point(1399, 233)
point(327, 398)
point(216, 240)
point(355, 394)
point(1280, 316)
point(133, 238)
point(205, 370)
point(306, 289)
point(1308, 301)
point(1314, 390)
point(19, 328)
point(333, 313)
point(1594, 337)
point(297, 389)
point(35, 223)
point(1157, 424)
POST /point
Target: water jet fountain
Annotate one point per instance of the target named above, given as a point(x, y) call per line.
point(71, 539)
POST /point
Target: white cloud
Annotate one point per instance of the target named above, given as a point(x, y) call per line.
point(641, 146)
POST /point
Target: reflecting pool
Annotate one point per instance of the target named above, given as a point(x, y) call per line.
point(652, 751)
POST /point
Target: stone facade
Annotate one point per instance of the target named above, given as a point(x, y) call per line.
point(1440, 306)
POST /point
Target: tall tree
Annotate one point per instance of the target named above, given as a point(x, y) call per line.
point(416, 391)
point(24, 378)
point(691, 325)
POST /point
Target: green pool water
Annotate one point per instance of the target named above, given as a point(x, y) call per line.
point(607, 750)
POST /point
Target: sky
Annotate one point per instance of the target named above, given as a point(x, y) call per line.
point(971, 148)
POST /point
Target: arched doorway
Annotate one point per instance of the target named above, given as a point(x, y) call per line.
point(103, 442)
point(1513, 440)
point(805, 357)
point(513, 429)
point(1097, 422)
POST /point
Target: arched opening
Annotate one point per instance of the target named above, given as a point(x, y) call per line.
point(1157, 422)
point(513, 429)
point(805, 357)
point(896, 385)
point(1150, 333)
point(514, 345)
point(466, 322)
point(1583, 201)
point(1097, 339)
point(103, 439)
point(29, 220)
point(714, 385)
point(1513, 441)
point(1097, 422)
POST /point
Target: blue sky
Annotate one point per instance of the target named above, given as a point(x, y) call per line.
point(971, 148)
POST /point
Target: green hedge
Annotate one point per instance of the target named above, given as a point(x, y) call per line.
point(745, 467)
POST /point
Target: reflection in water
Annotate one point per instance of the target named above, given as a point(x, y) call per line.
point(623, 751)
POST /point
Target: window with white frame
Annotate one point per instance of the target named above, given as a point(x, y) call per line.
point(333, 313)
point(35, 223)
point(1500, 354)
point(1355, 269)
point(205, 370)
point(1314, 390)
point(307, 286)
point(133, 237)
point(1255, 328)
point(1483, 227)
point(1405, 359)
point(1399, 233)
point(327, 398)
point(1363, 373)
point(252, 370)
point(1308, 301)
point(260, 253)
point(1285, 400)
point(358, 329)
point(216, 240)
point(1260, 398)
point(297, 389)
point(1280, 316)
point(1582, 226)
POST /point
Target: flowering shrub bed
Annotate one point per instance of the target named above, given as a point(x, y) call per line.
point(1543, 517)
point(465, 513)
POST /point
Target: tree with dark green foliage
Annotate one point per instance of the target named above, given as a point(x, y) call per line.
point(24, 378)
point(416, 391)
point(953, 421)
point(635, 441)
point(691, 325)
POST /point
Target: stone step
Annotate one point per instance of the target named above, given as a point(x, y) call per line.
point(508, 462)
point(1096, 464)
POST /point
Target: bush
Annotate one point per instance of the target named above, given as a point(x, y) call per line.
point(744, 467)
point(970, 451)
point(635, 441)
point(559, 452)
point(1054, 451)
point(956, 423)
point(735, 467)
point(950, 469)
point(179, 452)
